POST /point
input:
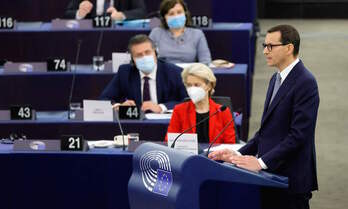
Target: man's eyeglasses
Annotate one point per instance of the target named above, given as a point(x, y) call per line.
point(270, 46)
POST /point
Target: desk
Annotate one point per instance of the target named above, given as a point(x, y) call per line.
point(43, 10)
point(37, 42)
point(154, 130)
point(50, 91)
point(56, 180)
point(229, 41)
point(96, 179)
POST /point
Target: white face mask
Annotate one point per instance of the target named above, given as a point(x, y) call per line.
point(196, 94)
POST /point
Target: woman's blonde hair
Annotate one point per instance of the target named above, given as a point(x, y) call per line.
point(201, 71)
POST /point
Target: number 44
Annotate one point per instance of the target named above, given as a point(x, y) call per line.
point(132, 112)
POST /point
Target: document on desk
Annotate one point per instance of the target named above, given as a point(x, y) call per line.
point(118, 59)
point(234, 147)
point(95, 110)
point(185, 65)
point(158, 116)
point(186, 142)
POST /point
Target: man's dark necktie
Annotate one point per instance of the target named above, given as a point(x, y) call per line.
point(276, 87)
point(146, 89)
point(106, 5)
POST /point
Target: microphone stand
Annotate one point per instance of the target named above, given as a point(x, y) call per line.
point(73, 76)
point(221, 132)
point(221, 109)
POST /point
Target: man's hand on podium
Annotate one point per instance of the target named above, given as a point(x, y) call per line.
point(248, 162)
point(224, 154)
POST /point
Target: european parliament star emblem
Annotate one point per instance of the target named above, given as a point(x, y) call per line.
point(164, 182)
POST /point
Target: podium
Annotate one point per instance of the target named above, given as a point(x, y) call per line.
point(172, 179)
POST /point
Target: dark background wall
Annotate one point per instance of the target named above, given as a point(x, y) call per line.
point(303, 8)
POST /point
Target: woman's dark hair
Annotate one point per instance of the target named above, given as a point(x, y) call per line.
point(166, 5)
point(289, 35)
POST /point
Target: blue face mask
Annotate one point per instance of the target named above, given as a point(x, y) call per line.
point(145, 64)
point(176, 22)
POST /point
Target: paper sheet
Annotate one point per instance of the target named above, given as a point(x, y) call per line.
point(234, 147)
point(154, 116)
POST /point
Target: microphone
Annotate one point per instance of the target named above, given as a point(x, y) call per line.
point(120, 127)
point(221, 132)
point(100, 41)
point(79, 42)
point(221, 109)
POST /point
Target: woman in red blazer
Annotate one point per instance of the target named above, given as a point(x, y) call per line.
point(200, 82)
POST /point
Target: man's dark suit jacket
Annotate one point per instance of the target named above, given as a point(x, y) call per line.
point(285, 140)
point(126, 84)
point(132, 9)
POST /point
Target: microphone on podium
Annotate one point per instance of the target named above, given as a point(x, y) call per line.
point(221, 132)
point(221, 109)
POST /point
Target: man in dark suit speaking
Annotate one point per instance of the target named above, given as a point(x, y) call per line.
point(284, 143)
point(118, 9)
point(147, 82)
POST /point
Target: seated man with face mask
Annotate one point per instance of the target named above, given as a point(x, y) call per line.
point(200, 83)
point(147, 82)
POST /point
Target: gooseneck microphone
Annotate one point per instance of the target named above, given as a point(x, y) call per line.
point(79, 42)
point(221, 132)
point(120, 127)
point(100, 41)
point(221, 109)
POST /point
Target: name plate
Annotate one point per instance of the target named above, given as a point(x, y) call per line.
point(58, 24)
point(103, 21)
point(186, 142)
point(73, 143)
point(129, 112)
point(21, 112)
point(36, 145)
point(25, 67)
point(57, 65)
point(7, 23)
point(95, 110)
point(67, 143)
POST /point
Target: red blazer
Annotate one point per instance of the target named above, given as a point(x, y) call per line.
point(184, 116)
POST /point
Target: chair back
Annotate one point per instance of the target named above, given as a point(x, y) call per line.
point(228, 103)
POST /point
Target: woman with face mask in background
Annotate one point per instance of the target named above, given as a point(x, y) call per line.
point(176, 41)
point(200, 82)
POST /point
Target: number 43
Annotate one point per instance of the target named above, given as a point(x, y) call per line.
point(24, 112)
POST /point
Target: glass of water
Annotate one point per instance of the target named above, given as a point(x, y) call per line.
point(98, 63)
point(74, 106)
point(133, 139)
